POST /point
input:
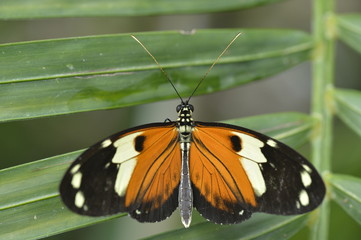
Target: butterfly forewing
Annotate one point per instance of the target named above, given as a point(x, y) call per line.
point(135, 171)
point(236, 171)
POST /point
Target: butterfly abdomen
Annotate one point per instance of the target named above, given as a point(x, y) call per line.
point(185, 189)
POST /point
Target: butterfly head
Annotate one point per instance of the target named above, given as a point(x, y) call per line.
point(185, 111)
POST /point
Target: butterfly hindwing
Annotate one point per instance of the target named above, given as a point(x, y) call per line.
point(236, 171)
point(135, 171)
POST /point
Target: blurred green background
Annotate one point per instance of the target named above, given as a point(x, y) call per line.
point(30, 140)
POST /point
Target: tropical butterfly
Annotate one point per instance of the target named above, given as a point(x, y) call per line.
point(226, 172)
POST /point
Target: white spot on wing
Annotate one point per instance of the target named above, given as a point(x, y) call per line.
point(125, 148)
point(271, 143)
point(255, 176)
point(106, 143)
point(79, 199)
point(241, 212)
point(307, 168)
point(306, 179)
point(123, 177)
point(304, 200)
point(75, 169)
point(251, 148)
point(107, 165)
point(76, 180)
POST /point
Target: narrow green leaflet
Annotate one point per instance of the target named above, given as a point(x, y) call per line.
point(29, 192)
point(41, 178)
point(349, 30)
point(346, 191)
point(20, 9)
point(348, 107)
point(41, 219)
point(260, 226)
point(52, 77)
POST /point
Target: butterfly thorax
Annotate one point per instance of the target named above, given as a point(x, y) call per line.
point(185, 122)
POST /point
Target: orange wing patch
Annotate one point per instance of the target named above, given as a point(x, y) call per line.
point(216, 170)
point(156, 176)
point(222, 190)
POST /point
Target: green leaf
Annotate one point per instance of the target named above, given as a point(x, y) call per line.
point(346, 191)
point(260, 226)
point(349, 30)
point(41, 219)
point(41, 178)
point(348, 107)
point(52, 77)
point(29, 192)
point(20, 9)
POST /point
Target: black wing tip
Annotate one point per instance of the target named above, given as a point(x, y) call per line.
point(87, 196)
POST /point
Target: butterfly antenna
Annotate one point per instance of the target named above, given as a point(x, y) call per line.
point(160, 67)
point(214, 63)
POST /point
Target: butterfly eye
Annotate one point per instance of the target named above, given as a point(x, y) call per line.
point(191, 107)
point(179, 107)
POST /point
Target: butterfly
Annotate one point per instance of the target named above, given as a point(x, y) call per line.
point(226, 172)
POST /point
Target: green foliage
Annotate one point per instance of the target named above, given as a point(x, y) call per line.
point(259, 227)
point(346, 191)
point(112, 71)
point(21, 9)
point(102, 72)
point(348, 107)
point(349, 30)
